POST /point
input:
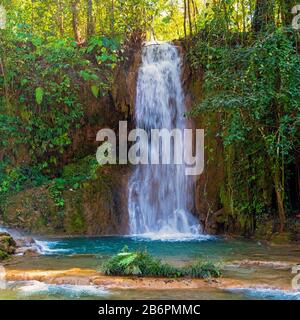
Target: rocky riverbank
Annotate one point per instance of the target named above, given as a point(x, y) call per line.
point(78, 276)
point(19, 245)
point(7, 245)
point(84, 277)
point(248, 268)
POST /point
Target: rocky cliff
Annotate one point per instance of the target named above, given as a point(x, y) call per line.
point(77, 201)
point(98, 205)
point(208, 186)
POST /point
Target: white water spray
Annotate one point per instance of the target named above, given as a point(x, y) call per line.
point(161, 196)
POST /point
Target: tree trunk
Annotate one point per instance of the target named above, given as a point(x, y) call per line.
point(59, 18)
point(195, 8)
point(227, 19)
point(264, 15)
point(90, 19)
point(184, 19)
point(112, 17)
point(244, 17)
point(286, 11)
point(75, 20)
point(190, 16)
point(279, 198)
point(195, 14)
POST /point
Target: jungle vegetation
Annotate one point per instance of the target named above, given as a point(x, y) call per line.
point(248, 50)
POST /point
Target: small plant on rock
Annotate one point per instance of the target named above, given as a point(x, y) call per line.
point(141, 263)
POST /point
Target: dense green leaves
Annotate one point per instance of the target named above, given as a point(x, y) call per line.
point(39, 94)
point(44, 80)
point(41, 107)
point(95, 91)
point(52, 51)
point(141, 263)
point(255, 87)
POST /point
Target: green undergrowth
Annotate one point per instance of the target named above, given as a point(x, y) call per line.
point(45, 93)
point(72, 177)
point(17, 179)
point(141, 263)
point(252, 88)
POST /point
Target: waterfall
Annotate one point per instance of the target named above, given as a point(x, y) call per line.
point(161, 197)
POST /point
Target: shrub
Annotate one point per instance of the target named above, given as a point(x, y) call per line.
point(141, 263)
point(203, 269)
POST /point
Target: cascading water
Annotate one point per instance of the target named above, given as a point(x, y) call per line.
point(161, 196)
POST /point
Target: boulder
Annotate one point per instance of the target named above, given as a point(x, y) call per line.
point(7, 245)
point(97, 207)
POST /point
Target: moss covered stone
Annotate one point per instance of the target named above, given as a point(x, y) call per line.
point(32, 210)
point(97, 206)
point(7, 245)
point(100, 205)
point(3, 255)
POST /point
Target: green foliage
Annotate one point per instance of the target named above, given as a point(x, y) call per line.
point(95, 91)
point(202, 269)
point(48, 107)
point(40, 107)
point(9, 129)
point(39, 93)
point(72, 177)
point(54, 19)
point(16, 178)
point(3, 255)
point(255, 89)
point(104, 49)
point(141, 263)
point(43, 81)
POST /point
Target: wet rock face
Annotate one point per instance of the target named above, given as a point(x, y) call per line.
point(7, 245)
point(26, 246)
point(214, 222)
point(124, 87)
point(98, 207)
point(32, 210)
point(208, 186)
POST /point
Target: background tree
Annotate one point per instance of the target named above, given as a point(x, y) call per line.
point(60, 17)
point(251, 81)
point(74, 4)
point(90, 19)
point(264, 15)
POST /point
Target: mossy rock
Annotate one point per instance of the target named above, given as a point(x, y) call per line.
point(3, 255)
point(97, 207)
point(33, 210)
point(281, 238)
point(80, 168)
point(100, 206)
point(7, 245)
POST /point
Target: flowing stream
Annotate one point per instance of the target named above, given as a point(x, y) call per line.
point(161, 196)
point(254, 271)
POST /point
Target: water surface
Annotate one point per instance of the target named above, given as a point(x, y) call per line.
point(266, 269)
